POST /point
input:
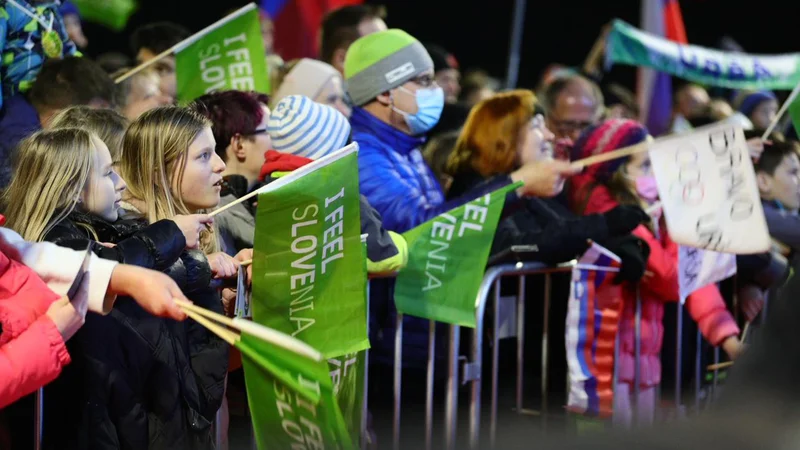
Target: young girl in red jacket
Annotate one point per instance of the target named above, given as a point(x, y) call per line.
point(630, 181)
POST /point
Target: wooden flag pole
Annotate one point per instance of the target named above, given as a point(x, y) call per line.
point(781, 112)
point(610, 156)
point(235, 202)
point(184, 43)
point(722, 365)
point(259, 331)
point(226, 335)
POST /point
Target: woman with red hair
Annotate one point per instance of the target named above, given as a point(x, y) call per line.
point(502, 133)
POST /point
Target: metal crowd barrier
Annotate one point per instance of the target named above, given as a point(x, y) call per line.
point(473, 372)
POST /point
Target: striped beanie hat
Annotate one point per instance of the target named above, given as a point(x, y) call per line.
point(605, 137)
point(379, 62)
point(302, 127)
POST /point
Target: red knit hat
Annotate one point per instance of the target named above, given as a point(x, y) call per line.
point(605, 137)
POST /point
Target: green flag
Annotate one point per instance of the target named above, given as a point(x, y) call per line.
point(794, 113)
point(347, 374)
point(308, 265)
point(734, 70)
point(291, 398)
point(114, 14)
point(227, 55)
point(446, 259)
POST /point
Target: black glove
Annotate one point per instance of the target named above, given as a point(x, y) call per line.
point(634, 253)
point(624, 218)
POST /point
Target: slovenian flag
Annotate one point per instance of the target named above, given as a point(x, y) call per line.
point(297, 24)
point(654, 89)
point(593, 313)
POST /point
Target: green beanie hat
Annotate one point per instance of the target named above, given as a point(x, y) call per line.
point(381, 61)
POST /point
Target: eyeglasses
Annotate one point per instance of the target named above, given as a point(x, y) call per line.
point(256, 131)
point(568, 126)
point(424, 80)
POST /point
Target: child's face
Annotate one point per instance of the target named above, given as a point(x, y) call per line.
point(638, 165)
point(201, 183)
point(784, 184)
point(764, 113)
point(103, 190)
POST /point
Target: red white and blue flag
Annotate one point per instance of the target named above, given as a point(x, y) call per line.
point(593, 313)
point(654, 89)
point(297, 24)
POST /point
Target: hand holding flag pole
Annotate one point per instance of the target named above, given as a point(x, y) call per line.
point(726, 364)
point(616, 154)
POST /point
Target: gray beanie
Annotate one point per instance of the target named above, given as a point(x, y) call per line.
point(381, 61)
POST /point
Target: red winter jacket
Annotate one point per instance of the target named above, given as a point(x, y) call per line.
point(32, 351)
point(705, 305)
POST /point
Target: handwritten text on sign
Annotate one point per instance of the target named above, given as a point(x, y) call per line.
point(708, 190)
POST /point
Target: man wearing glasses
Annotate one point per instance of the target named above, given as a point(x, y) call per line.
point(572, 103)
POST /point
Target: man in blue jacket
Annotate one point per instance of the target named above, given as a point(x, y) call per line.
point(390, 80)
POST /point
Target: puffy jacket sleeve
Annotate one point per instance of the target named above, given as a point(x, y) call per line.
point(708, 310)
point(401, 201)
point(555, 241)
point(31, 360)
point(156, 246)
point(58, 267)
point(661, 272)
point(386, 251)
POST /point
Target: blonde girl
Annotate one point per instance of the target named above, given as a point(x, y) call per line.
point(171, 168)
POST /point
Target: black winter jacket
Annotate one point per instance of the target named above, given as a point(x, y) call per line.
point(138, 381)
point(557, 234)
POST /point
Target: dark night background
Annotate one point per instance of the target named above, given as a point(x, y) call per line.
point(478, 31)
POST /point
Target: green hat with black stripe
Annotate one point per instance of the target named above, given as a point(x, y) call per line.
point(381, 61)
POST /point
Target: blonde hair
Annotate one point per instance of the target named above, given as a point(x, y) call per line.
point(154, 148)
point(107, 124)
point(52, 168)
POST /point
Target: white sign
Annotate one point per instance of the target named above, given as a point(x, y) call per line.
point(698, 268)
point(708, 190)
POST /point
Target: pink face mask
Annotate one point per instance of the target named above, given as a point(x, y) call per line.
point(647, 188)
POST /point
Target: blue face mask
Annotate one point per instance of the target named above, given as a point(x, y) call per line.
point(430, 102)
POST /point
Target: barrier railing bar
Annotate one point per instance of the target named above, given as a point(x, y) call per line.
point(489, 278)
point(452, 388)
point(429, 386)
point(520, 341)
point(715, 378)
point(365, 400)
point(398, 380)
point(495, 364)
point(637, 349)
point(545, 346)
point(38, 419)
point(678, 357)
point(698, 372)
